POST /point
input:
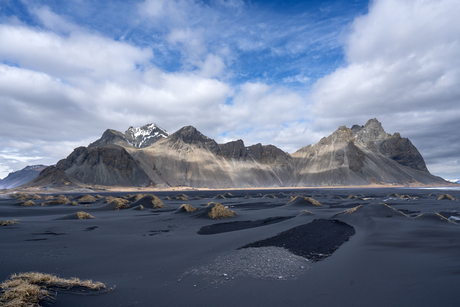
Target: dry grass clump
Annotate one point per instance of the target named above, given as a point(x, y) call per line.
point(405, 197)
point(446, 196)
point(211, 204)
point(220, 196)
point(269, 196)
point(119, 203)
point(29, 289)
point(351, 210)
point(141, 207)
point(87, 198)
point(228, 194)
point(74, 203)
point(168, 198)
point(188, 208)
point(58, 201)
point(7, 223)
point(181, 197)
point(83, 215)
point(138, 196)
point(307, 212)
point(312, 201)
point(28, 203)
point(220, 212)
point(48, 197)
point(393, 195)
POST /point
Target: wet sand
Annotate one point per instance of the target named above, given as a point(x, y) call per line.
point(362, 252)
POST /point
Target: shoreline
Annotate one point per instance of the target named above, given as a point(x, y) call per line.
point(112, 189)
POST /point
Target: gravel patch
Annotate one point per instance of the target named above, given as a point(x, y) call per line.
point(274, 263)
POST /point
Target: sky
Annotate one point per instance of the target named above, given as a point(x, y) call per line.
point(285, 73)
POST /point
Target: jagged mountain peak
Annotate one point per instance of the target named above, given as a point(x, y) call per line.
point(145, 136)
point(191, 135)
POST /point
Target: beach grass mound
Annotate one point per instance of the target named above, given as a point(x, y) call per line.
point(29, 289)
point(228, 195)
point(119, 203)
point(393, 195)
point(149, 201)
point(181, 197)
point(220, 196)
point(351, 210)
point(435, 217)
point(7, 223)
point(269, 196)
point(74, 203)
point(58, 201)
point(220, 212)
point(28, 203)
point(87, 199)
point(187, 208)
point(446, 196)
point(83, 215)
point(304, 201)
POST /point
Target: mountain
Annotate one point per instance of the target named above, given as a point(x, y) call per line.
point(20, 177)
point(361, 155)
point(149, 156)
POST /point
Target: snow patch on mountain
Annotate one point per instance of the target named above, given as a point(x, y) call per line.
point(145, 136)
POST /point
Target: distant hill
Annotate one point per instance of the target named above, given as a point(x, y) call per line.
point(18, 178)
point(149, 156)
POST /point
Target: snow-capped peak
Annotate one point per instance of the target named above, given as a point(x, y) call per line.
point(145, 136)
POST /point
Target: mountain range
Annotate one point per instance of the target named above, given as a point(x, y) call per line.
point(20, 177)
point(150, 156)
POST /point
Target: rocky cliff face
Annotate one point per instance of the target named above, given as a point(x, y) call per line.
point(360, 155)
point(104, 165)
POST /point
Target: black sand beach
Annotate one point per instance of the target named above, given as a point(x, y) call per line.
point(372, 249)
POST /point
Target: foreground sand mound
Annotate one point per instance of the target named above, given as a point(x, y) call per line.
point(185, 208)
point(374, 210)
point(434, 217)
point(149, 201)
point(29, 289)
point(315, 241)
point(301, 201)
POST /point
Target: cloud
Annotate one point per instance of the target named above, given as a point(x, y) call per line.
point(403, 68)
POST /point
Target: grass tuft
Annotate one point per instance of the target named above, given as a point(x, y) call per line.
point(29, 289)
point(188, 208)
point(83, 215)
point(220, 212)
point(28, 203)
point(7, 223)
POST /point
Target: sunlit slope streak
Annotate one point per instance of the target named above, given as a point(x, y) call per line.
point(188, 158)
point(315, 241)
point(361, 156)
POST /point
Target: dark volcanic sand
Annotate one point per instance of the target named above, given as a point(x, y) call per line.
point(156, 257)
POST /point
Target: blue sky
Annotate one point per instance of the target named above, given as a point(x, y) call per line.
point(277, 72)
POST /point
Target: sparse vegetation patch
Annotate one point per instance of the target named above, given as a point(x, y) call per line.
point(220, 212)
point(29, 289)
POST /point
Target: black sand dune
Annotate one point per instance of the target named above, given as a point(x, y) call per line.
point(315, 241)
point(156, 257)
point(234, 226)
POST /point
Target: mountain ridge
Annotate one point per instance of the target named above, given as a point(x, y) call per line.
point(360, 155)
